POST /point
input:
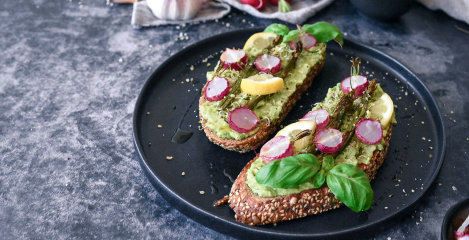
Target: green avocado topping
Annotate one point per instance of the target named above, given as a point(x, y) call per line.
point(270, 107)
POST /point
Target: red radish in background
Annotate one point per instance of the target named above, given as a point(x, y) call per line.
point(233, 58)
point(275, 2)
point(217, 89)
point(369, 131)
point(307, 41)
point(328, 140)
point(277, 148)
point(268, 63)
point(242, 120)
point(358, 83)
point(257, 4)
point(320, 117)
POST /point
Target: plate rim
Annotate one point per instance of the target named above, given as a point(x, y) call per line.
point(208, 219)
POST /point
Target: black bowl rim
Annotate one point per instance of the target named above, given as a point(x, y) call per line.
point(450, 215)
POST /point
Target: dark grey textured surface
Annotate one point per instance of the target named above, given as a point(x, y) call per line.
point(70, 72)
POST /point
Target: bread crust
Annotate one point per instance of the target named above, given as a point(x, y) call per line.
point(265, 128)
point(254, 210)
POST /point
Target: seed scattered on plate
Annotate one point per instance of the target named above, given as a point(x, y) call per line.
point(454, 188)
point(183, 173)
point(160, 126)
point(202, 192)
point(148, 113)
point(169, 157)
point(192, 68)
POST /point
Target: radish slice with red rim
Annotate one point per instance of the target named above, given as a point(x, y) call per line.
point(320, 117)
point(217, 89)
point(358, 83)
point(328, 140)
point(308, 40)
point(277, 148)
point(369, 131)
point(242, 120)
point(233, 58)
point(268, 63)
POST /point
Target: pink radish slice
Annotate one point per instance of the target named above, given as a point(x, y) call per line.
point(320, 117)
point(268, 63)
point(369, 131)
point(358, 83)
point(328, 140)
point(308, 40)
point(217, 89)
point(277, 148)
point(234, 59)
point(242, 120)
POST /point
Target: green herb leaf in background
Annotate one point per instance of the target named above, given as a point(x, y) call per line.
point(288, 172)
point(324, 32)
point(277, 28)
point(351, 186)
point(292, 35)
point(284, 6)
point(319, 179)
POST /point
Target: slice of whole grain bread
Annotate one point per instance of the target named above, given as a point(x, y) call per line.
point(254, 210)
point(265, 128)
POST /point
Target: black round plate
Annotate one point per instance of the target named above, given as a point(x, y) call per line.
point(170, 99)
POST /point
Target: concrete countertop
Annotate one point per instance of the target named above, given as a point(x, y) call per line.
point(70, 73)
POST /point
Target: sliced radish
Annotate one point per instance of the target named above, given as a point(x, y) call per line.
point(369, 131)
point(242, 120)
point(320, 117)
point(268, 63)
point(234, 59)
point(277, 148)
point(328, 140)
point(217, 89)
point(358, 83)
point(307, 41)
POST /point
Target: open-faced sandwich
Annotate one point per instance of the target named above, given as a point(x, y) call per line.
point(251, 90)
point(325, 159)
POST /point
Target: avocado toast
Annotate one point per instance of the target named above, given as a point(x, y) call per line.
point(251, 91)
point(322, 161)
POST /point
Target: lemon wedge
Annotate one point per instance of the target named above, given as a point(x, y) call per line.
point(294, 129)
point(261, 84)
point(259, 41)
point(382, 109)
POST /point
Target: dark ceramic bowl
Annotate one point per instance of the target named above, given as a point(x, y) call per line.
point(384, 9)
point(454, 218)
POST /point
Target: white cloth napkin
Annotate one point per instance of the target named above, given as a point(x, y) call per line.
point(142, 16)
point(300, 10)
point(458, 9)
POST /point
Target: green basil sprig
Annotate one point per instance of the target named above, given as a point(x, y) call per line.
point(346, 181)
point(288, 172)
point(292, 35)
point(277, 28)
point(351, 186)
point(324, 32)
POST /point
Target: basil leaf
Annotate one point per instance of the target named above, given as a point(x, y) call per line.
point(319, 179)
point(324, 32)
point(351, 186)
point(288, 172)
point(327, 162)
point(279, 29)
point(292, 35)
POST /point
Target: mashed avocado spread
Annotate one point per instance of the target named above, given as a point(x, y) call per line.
point(355, 153)
point(269, 108)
